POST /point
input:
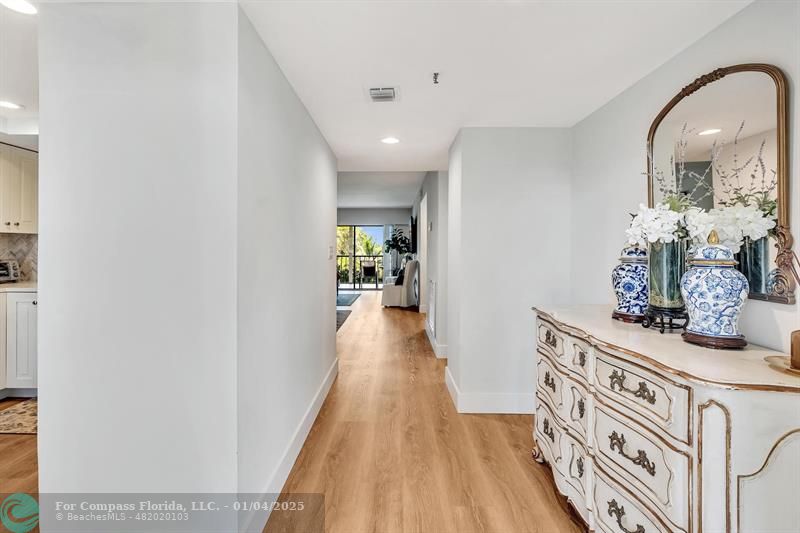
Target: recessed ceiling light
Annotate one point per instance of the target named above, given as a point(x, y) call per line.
point(390, 140)
point(9, 105)
point(712, 131)
point(21, 6)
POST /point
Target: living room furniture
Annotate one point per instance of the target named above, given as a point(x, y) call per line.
point(405, 295)
point(645, 433)
point(369, 269)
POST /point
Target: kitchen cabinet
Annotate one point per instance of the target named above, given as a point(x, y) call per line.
point(18, 344)
point(19, 190)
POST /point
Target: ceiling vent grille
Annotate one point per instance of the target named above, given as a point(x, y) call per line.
point(382, 94)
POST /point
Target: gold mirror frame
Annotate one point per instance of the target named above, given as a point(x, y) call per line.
point(784, 283)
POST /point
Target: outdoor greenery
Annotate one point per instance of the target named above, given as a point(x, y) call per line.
point(365, 244)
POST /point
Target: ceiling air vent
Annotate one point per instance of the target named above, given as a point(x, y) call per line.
point(382, 94)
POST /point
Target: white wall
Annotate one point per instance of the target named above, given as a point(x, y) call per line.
point(286, 331)
point(454, 268)
point(137, 324)
point(441, 231)
point(508, 248)
point(168, 333)
point(435, 188)
point(609, 154)
point(365, 216)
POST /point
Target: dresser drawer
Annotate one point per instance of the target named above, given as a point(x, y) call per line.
point(578, 356)
point(550, 383)
point(577, 464)
point(616, 512)
point(576, 407)
point(551, 339)
point(549, 436)
point(659, 399)
point(646, 462)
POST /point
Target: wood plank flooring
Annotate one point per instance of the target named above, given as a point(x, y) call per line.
point(388, 450)
point(18, 460)
point(390, 453)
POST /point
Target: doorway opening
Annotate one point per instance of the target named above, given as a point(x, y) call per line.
point(359, 257)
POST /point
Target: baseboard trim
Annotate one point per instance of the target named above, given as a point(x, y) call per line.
point(440, 350)
point(18, 393)
point(488, 402)
point(281, 473)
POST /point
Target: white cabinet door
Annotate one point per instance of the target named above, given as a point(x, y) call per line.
point(27, 221)
point(10, 188)
point(19, 190)
point(21, 340)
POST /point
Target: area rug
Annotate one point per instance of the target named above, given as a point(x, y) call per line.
point(19, 419)
point(341, 316)
point(346, 299)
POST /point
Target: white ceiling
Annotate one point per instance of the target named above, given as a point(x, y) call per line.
point(379, 189)
point(19, 78)
point(512, 63)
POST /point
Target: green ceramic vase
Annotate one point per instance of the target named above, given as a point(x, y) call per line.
point(666, 265)
point(754, 263)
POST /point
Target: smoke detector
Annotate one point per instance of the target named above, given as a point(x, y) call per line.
point(383, 94)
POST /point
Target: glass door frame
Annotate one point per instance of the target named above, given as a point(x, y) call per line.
point(354, 260)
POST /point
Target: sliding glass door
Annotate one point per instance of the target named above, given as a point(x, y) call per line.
point(359, 257)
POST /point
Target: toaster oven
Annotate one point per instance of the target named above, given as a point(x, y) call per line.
point(9, 271)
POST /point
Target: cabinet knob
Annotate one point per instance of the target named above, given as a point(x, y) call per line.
point(16, 223)
point(35, 302)
point(8, 223)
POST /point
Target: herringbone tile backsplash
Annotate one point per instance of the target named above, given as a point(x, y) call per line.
point(23, 248)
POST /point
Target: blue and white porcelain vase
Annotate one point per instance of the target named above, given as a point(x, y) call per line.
point(629, 280)
point(714, 292)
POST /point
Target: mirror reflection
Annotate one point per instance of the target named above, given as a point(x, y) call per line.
point(717, 150)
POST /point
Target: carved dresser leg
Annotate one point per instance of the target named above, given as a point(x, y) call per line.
point(537, 453)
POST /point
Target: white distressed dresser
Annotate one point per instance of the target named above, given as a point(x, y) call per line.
point(646, 433)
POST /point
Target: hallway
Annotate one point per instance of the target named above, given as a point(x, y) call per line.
point(390, 453)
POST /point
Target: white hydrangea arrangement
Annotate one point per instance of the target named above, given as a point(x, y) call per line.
point(656, 224)
point(732, 223)
point(699, 224)
point(736, 222)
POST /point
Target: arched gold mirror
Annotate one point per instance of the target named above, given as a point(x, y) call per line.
point(723, 141)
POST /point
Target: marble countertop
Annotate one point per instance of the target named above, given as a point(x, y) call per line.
point(743, 368)
point(19, 286)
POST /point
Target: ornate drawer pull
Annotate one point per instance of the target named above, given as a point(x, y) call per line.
point(617, 511)
point(618, 441)
point(618, 380)
point(549, 381)
point(581, 408)
point(579, 464)
point(547, 430)
point(582, 358)
point(550, 338)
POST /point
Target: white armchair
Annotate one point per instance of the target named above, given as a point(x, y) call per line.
point(404, 295)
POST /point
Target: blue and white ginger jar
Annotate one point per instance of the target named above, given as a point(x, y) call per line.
point(629, 280)
point(714, 292)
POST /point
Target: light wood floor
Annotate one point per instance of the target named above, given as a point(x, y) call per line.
point(390, 453)
point(18, 464)
point(388, 450)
